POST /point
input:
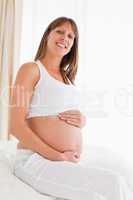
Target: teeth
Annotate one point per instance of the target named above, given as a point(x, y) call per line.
point(61, 45)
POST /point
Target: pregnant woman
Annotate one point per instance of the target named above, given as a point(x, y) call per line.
point(47, 121)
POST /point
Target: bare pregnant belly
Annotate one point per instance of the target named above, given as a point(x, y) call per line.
point(57, 133)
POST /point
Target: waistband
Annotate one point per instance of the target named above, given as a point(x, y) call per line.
point(22, 155)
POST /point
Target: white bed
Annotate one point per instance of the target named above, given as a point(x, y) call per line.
point(11, 188)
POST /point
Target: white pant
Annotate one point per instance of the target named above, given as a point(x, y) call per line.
point(69, 180)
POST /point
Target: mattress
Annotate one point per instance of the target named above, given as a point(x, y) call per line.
point(11, 188)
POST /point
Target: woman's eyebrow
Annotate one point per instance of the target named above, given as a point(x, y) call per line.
point(63, 30)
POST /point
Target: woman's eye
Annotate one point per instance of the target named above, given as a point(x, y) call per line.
point(58, 31)
point(70, 36)
point(62, 32)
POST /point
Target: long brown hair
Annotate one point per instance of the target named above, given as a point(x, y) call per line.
point(69, 63)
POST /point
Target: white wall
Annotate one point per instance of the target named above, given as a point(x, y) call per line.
point(105, 71)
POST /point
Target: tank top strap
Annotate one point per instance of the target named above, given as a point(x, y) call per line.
point(41, 71)
point(41, 68)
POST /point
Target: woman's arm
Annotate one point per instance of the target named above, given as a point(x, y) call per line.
point(21, 94)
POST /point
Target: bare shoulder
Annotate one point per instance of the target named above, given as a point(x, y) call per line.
point(28, 73)
point(29, 67)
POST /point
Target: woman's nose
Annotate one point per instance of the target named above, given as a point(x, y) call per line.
point(64, 37)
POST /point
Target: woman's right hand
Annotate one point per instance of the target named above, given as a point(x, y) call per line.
point(70, 156)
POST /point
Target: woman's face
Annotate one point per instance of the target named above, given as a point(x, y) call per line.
point(60, 40)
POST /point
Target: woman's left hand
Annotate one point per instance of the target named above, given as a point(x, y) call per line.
point(73, 117)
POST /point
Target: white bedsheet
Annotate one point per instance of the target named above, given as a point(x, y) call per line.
point(11, 188)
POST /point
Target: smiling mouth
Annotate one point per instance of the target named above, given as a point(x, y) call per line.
point(63, 46)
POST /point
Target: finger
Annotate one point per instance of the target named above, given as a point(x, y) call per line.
point(70, 112)
point(76, 160)
point(73, 123)
point(70, 120)
point(65, 117)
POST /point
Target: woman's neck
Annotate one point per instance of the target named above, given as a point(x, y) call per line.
point(52, 62)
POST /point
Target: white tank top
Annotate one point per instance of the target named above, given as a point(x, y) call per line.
point(51, 96)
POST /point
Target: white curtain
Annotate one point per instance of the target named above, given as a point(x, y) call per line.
point(10, 23)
